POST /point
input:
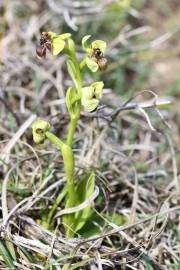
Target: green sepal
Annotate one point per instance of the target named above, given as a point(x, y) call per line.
point(88, 101)
point(58, 42)
point(64, 36)
point(92, 65)
point(58, 45)
point(87, 92)
point(100, 44)
point(98, 89)
point(90, 104)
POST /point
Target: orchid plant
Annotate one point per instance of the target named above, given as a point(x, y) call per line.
point(78, 97)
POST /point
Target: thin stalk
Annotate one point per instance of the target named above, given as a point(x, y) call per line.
point(73, 123)
point(82, 63)
point(72, 128)
point(54, 140)
point(72, 199)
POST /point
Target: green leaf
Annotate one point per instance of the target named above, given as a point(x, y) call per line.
point(72, 71)
point(84, 191)
point(147, 262)
point(6, 256)
point(58, 45)
point(72, 102)
point(93, 66)
point(90, 228)
point(84, 42)
point(116, 218)
point(68, 220)
point(99, 44)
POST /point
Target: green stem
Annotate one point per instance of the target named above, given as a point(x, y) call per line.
point(74, 120)
point(82, 63)
point(68, 158)
point(55, 140)
point(72, 128)
point(72, 199)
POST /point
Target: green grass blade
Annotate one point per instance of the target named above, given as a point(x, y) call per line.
point(6, 256)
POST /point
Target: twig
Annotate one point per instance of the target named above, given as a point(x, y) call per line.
point(4, 195)
point(153, 103)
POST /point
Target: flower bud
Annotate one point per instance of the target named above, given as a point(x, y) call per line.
point(39, 129)
point(91, 96)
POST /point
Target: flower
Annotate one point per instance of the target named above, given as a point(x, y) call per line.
point(52, 42)
point(91, 96)
point(95, 54)
point(39, 129)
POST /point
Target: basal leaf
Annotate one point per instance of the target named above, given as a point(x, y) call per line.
point(84, 191)
point(6, 256)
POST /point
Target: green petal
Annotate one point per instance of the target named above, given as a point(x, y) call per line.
point(98, 89)
point(57, 45)
point(84, 42)
point(87, 92)
point(64, 36)
point(93, 66)
point(90, 105)
point(99, 44)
